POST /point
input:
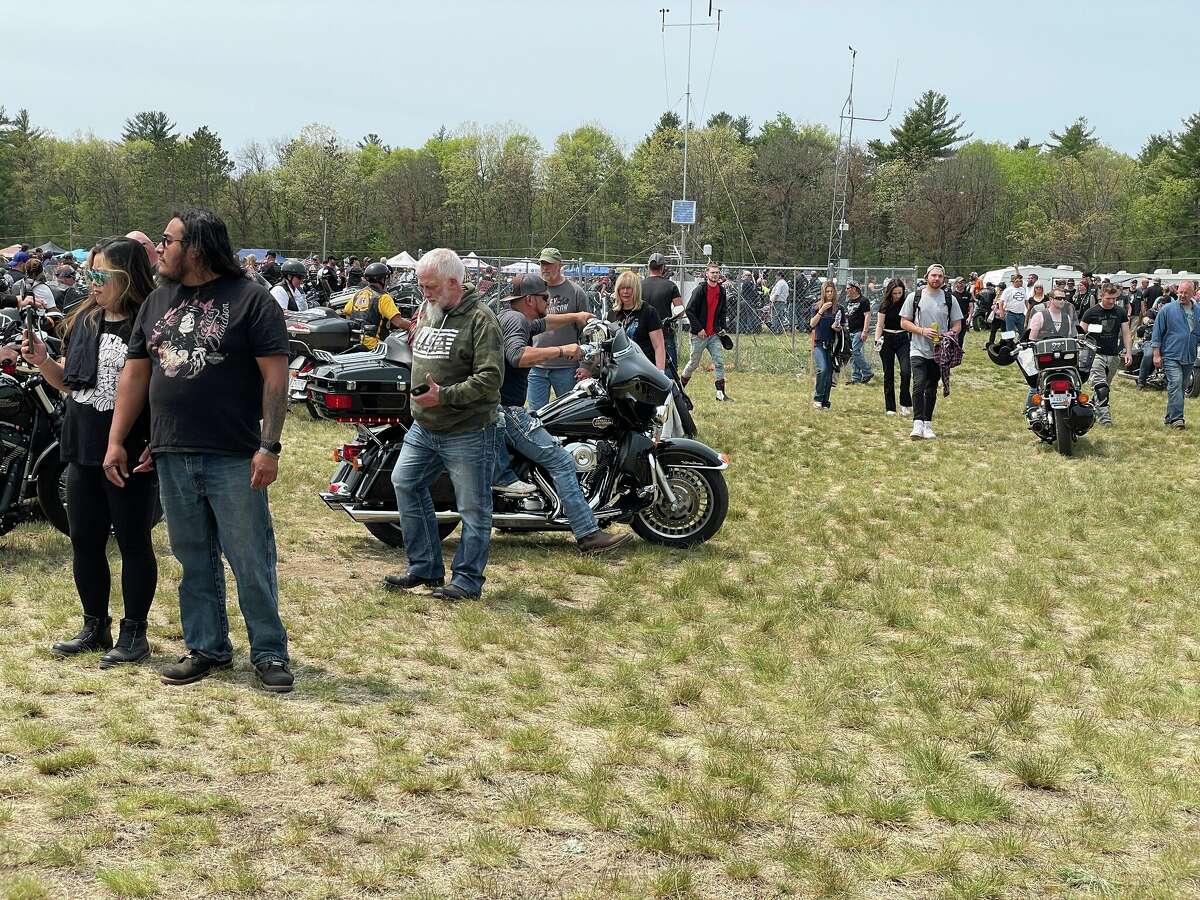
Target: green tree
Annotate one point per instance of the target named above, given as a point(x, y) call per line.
point(152, 126)
point(1023, 144)
point(928, 132)
point(1075, 140)
point(206, 166)
point(1154, 147)
point(1184, 153)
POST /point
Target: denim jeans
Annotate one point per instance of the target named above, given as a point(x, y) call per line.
point(1146, 366)
point(1014, 322)
point(861, 369)
point(211, 510)
point(469, 458)
point(536, 444)
point(712, 344)
point(541, 379)
point(823, 364)
point(1177, 375)
point(671, 346)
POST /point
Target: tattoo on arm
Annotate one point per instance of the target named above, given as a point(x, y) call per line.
point(275, 397)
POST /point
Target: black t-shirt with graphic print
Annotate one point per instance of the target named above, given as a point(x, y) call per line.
point(639, 324)
point(204, 343)
point(89, 412)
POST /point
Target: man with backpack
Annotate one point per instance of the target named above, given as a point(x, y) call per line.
point(928, 314)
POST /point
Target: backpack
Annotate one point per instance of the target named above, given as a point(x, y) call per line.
point(950, 303)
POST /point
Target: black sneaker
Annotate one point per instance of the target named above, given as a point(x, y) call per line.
point(274, 676)
point(408, 581)
point(453, 593)
point(191, 668)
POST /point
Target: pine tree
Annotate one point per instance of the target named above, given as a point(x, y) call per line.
point(928, 132)
point(152, 126)
point(1074, 141)
point(1184, 159)
point(1154, 147)
point(1023, 144)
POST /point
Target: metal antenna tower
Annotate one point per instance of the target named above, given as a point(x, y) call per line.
point(838, 226)
point(687, 106)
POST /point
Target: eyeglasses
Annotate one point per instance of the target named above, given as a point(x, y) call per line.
point(98, 277)
point(166, 241)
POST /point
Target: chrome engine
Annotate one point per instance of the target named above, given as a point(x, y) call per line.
point(585, 455)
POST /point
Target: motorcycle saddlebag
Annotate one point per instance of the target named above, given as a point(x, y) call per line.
point(1081, 417)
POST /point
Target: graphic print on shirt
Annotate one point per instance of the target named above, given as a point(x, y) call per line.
point(434, 343)
point(110, 362)
point(186, 338)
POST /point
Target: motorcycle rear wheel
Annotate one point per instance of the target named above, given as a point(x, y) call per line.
point(1192, 388)
point(52, 497)
point(390, 533)
point(703, 503)
point(1062, 432)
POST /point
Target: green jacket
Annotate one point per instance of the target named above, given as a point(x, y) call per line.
point(462, 350)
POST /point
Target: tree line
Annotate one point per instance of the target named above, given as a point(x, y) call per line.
point(929, 191)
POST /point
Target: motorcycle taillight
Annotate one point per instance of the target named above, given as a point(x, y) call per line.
point(298, 327)
point(339, 401)
point(1044, 359)
point(8, 367)
point(1060, 386)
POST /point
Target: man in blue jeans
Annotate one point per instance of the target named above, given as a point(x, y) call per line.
point(858, 311)
point(456, 372)
point(522, 317)
point(566, 298)
point(209, 352)
point(1174, 341)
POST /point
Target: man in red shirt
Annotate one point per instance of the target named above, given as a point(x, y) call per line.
point(706, 316)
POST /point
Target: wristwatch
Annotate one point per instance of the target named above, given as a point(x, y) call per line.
point(274, 449)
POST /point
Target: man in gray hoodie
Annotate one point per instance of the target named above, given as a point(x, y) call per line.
point(457, 368)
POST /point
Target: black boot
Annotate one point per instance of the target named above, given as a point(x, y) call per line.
point(131, 646)
point(96, 634)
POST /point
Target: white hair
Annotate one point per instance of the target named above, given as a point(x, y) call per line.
point(444, 263)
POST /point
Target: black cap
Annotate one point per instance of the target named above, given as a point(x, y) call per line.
point(270, 253)
point(657, 260)
point(529, 285)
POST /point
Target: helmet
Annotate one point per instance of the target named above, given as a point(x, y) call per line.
point(376, 271)
point(294, 267)
point(1002, 353)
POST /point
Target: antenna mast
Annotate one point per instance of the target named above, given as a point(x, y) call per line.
point(838, 226)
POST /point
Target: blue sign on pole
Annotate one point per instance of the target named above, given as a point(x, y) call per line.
point(683, 212)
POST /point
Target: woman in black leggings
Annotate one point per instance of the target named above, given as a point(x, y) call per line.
point(96, 337)
point(892, 342)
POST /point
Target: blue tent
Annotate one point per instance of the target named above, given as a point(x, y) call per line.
point(80, 254)
point(260, 255)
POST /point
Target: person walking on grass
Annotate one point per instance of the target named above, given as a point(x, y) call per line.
point(892, 342)
point(928, 313)
point(858, 314)
point(827, 321)
point(566, 298)
point(208, 353)
point(1174, 341)
point(1013, 303)
point(706, 310)
point(1112, 324)
point(96, 339)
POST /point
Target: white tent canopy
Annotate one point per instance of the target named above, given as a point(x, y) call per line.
point(402, 260)
point(471, 261)
point(523, 267)
point(1045, 274)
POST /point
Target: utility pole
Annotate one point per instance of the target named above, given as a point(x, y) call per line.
point(324, 235)
point(838, 226)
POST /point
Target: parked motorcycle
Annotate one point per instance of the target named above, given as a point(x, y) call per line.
point(1157, 380)
point(1060, 412)
point(671, 490)
point(313, 331)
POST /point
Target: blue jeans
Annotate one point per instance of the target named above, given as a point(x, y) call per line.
point(861, 368)
point(1014, 322)
point(1177, 374)
point(672, 348)
point(711, 343)
point(541, 379)
point(211, 510)
point(469, 458)
point(535, 443)
point(1146, 366)
point(823, 363)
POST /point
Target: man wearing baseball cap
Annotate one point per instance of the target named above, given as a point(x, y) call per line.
point(662, 294)
point(522, 317)
point(566, 297)
point(927, 314)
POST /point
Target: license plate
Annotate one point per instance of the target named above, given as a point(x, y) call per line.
point(1060, 401)
point(297, 385)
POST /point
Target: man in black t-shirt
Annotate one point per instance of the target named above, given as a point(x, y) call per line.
point(270, 268)
point(858, 309)
point(1104, 323)
point(663, 295)
point(209, 353)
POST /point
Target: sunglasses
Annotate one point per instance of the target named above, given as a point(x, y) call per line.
point(166, 241)
point(99, 277)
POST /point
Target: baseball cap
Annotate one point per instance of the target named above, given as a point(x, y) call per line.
point(528, 286)
point(656, 260)
point(551, 255)
point(19, 257)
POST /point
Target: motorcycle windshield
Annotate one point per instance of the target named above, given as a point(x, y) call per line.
point(633, 375)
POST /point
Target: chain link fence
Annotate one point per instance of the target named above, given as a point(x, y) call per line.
point(771, 336)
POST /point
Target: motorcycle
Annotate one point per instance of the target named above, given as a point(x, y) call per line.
point(310, 332)
point(1059, 412)
point(671, 490)
point(1157, 380)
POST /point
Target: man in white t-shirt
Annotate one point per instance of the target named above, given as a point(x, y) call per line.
point(777, 302)
point(1013, 303)
point(927, 315)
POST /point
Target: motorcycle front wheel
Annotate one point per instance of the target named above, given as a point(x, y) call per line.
point(1062, 432)
point(702, 500)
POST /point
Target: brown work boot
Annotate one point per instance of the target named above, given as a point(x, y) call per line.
point(599, 542)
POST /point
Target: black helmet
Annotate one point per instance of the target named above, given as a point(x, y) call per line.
point(376, 271)
point(294, 267)
point(1002, 353)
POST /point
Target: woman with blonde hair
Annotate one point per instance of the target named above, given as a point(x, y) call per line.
point(96, 338)
point(640, 320)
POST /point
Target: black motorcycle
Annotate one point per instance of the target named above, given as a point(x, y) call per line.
point(312, 333)
point(670, 490)
point(1059, 412)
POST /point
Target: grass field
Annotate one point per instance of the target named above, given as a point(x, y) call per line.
point(965, 668)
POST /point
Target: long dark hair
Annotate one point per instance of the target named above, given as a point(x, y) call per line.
point(207, 235)
point(887, 292)
point(131, 273)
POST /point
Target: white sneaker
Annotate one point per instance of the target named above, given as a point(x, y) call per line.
point(906, 411)
point(516, 489)
point(817, 406)
point(928, 429)
point(890, 412)
point(918, 431)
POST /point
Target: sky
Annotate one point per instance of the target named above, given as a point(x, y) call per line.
point(260, 70)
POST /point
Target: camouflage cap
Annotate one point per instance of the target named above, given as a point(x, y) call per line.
point(551, 255)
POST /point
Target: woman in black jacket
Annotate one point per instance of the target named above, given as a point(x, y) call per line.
point(96, 338)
